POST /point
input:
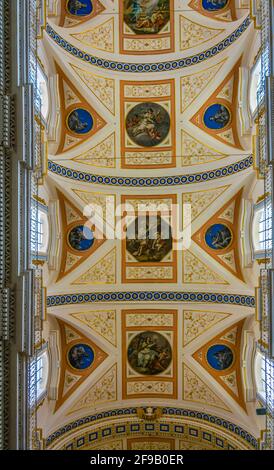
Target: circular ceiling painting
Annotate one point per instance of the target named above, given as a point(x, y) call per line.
point(79, 8)
point(80, 121)
point(218, 237)
point(146, 17)
point(149, 238)
point(214, 5)
point(80, 356)
point(81, 238)
point(216, 116)
point(148, 124)
point(149, 353)
point(219, 356)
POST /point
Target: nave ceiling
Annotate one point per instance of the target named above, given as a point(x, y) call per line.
point(179, 134)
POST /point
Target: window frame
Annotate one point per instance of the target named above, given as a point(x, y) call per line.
point(262, 208)
point(39, 227)
point(255, 90)
point(39, 103)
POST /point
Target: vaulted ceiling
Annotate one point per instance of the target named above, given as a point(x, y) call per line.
point(148, 106)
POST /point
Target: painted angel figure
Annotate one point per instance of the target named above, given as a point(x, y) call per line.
point(216, 4)
point(146, 354)
point(221, 116)
point(224, 358)
point(221, 239)
point(78, 353)
point(75, 124)
point(147, 124)
point(76, 5)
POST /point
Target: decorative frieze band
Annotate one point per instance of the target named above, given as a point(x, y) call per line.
point(148, 296)
point(136, 67)
point(176, 180)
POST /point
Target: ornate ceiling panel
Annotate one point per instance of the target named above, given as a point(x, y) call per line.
point(220, 357)
point(218, 9)
point(216, 116)
point(131, 29)
point(189, 430)
point(217, 236)
point(145, 105)
point(80, 357)
point(79, 120)
point(76, 12)
point(78, 241)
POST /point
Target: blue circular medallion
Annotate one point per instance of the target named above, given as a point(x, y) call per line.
point(214, 5)
point(80, 356)
point(81, 238)
point(80, 121)
point(216, 116)
point(79, 8)
point(218, 237)
point(219, 356)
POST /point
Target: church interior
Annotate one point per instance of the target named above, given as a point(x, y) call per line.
point(136, 225)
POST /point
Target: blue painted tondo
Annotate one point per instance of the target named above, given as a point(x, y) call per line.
point(219, 356)
point(80, 121)
point(216, 116)
point(218, 237)
point(214, 5)
point(79, 7)
point(81, 238)
point(80, 356)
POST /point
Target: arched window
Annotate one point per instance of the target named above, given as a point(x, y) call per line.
point(262, 228)
point(42, 370)
point(264, 376)
point(39, 231)
point(255, 86)
point(43, 96)
point(260, 375)
point(39, 370)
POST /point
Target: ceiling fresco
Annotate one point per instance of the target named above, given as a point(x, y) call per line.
point(79, 240)
point(144, 123)
point(80, 357)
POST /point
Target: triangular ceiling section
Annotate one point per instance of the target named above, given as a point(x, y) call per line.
point(197, 322)
point(197, 272)
point(193, 34)
point(222, 10)
point(201, 200)
point(80, 357)
point(196, 390)
point(74, 13)
point(102, 204)
point(80, 237)
point(218, 115)
point(79, 120)
point(102, 272)
point(218, 236)
point(101, 155)
point(103, 322)
point(103, 88)
point(99, 37)
point(195, 152)
point(221, 358)
point(194, 84)
point(104, 391)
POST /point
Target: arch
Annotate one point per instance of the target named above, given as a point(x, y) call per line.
point(176, 423)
